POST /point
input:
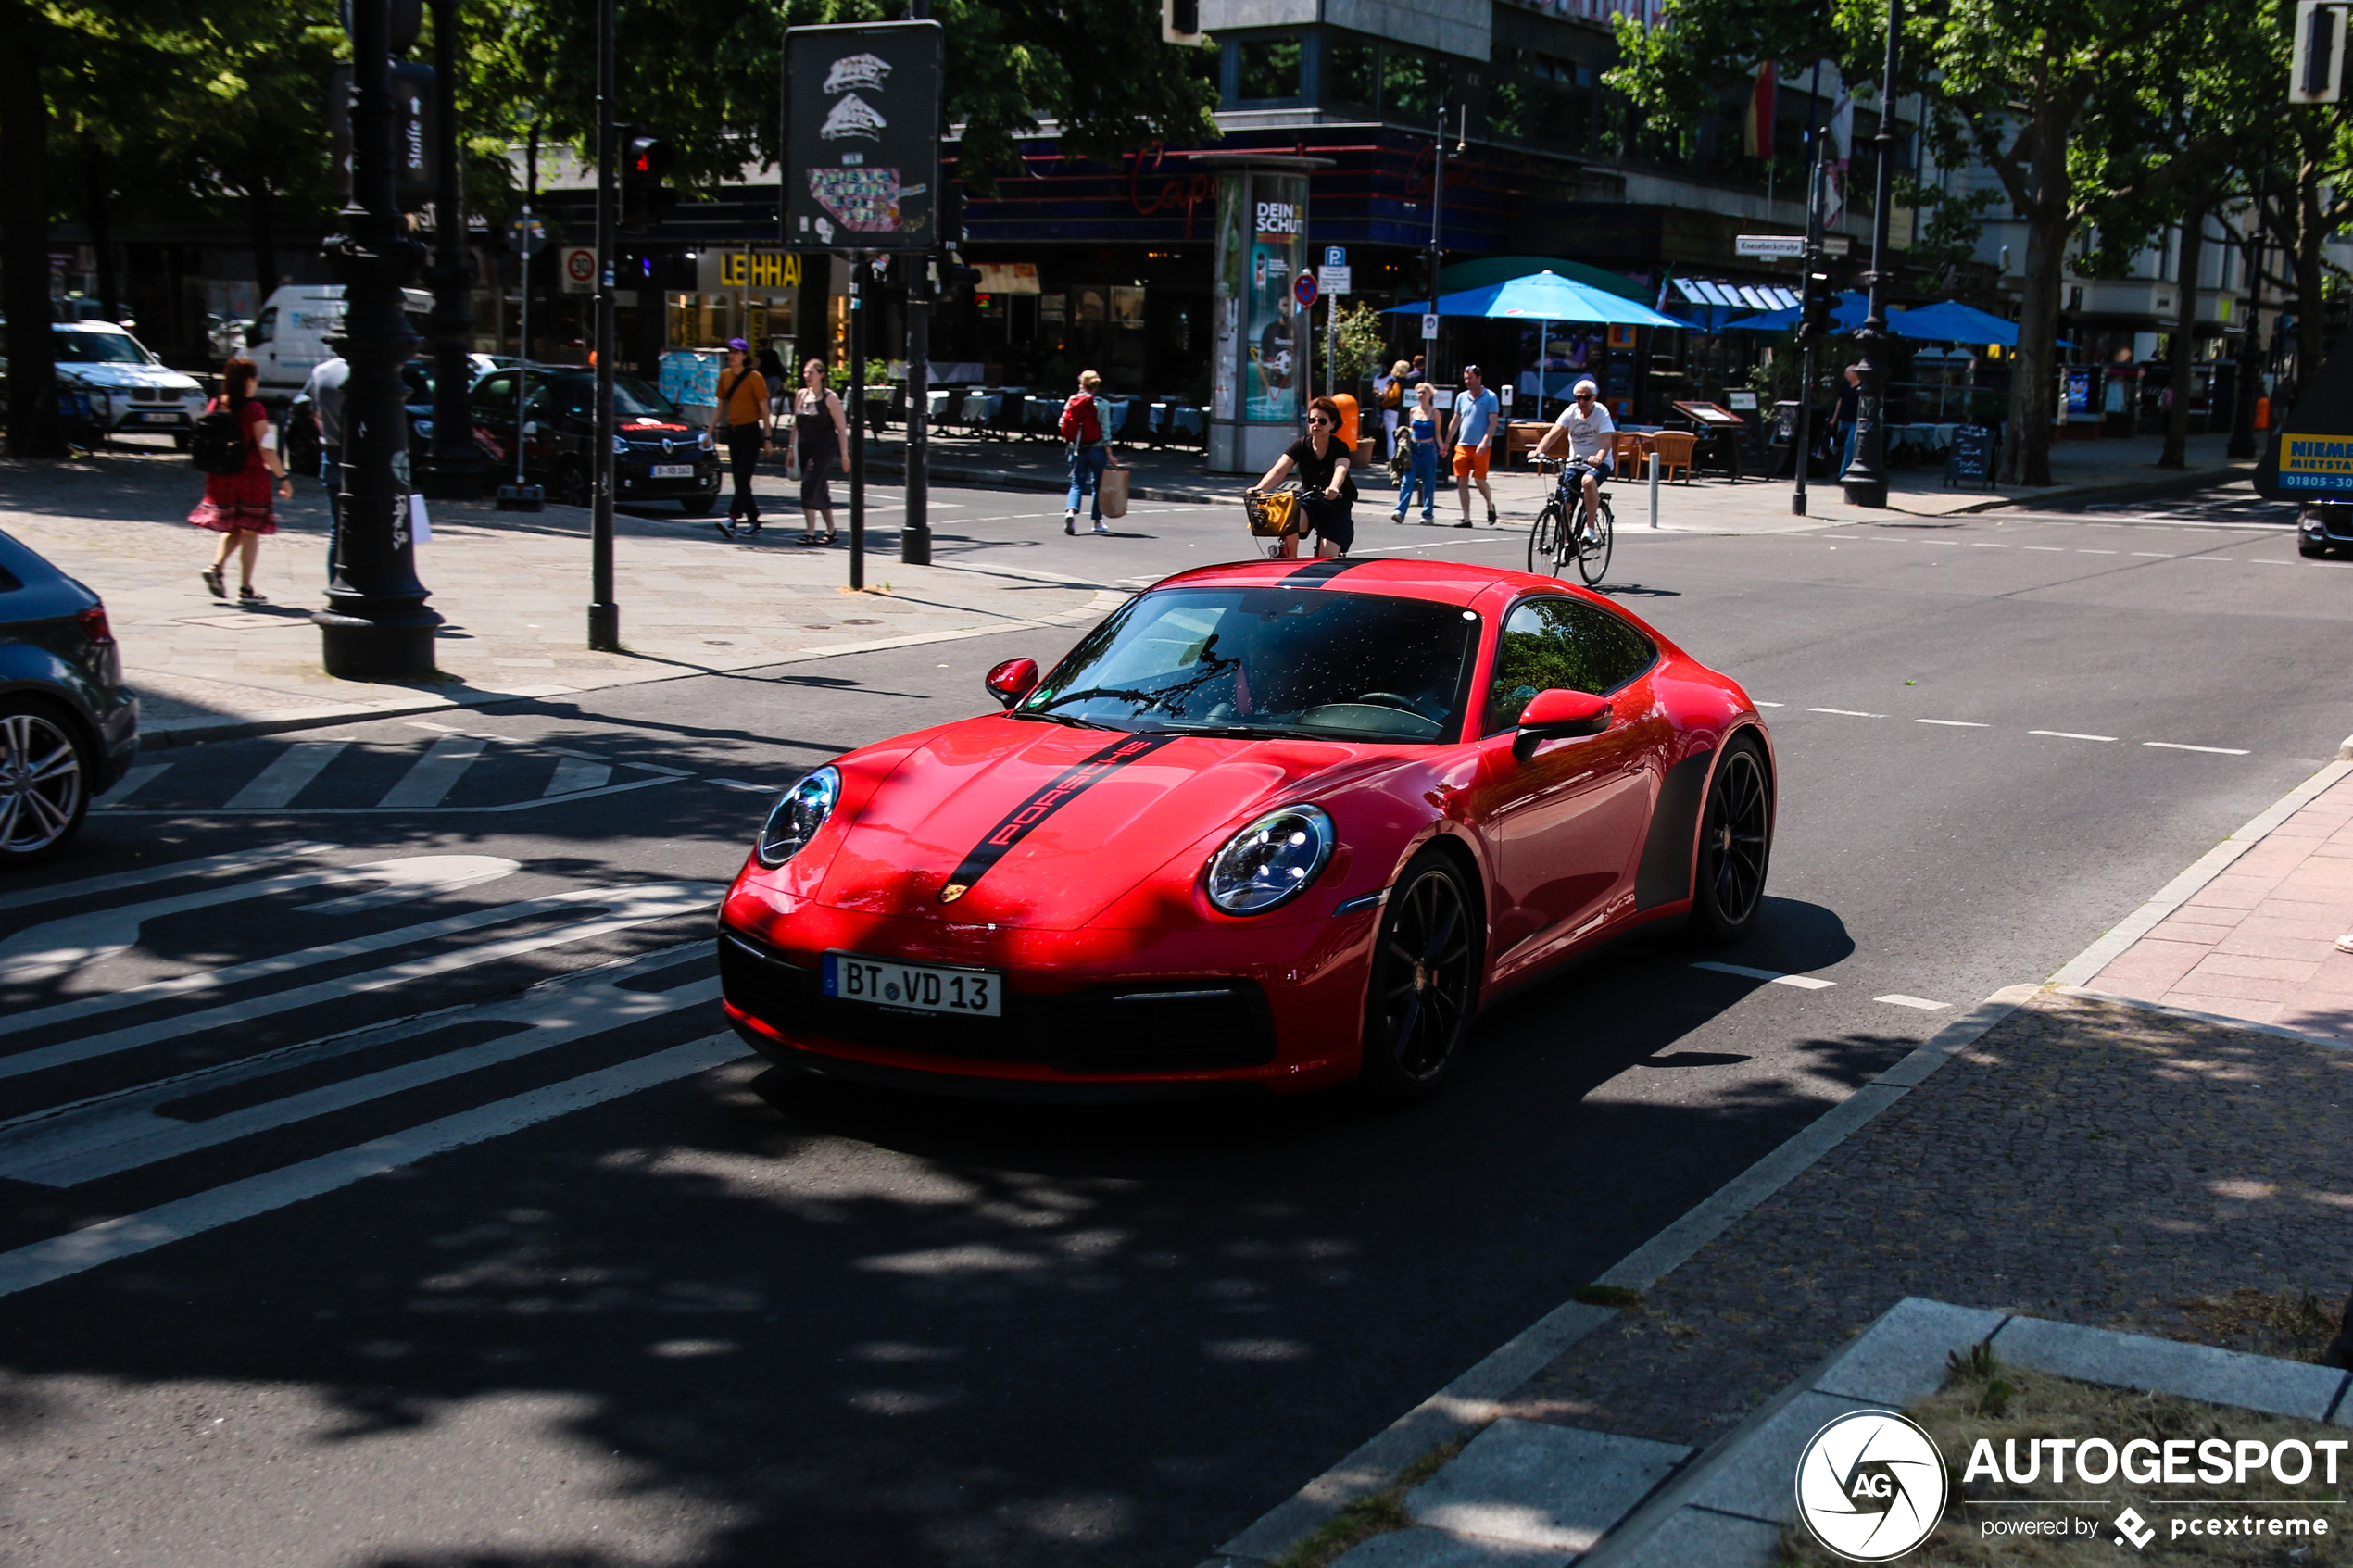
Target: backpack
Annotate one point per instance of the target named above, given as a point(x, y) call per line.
point(217, 444)
point(1393, 395)
point(1077, 414)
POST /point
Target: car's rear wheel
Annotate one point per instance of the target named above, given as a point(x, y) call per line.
point(694, 507)
point(1735, 844)
point(45, 788)
point(571, 487)
point(1425, 983)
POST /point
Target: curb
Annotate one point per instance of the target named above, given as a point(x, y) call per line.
point(1468, 1400)
point(2191, 1015)
point(170, 734)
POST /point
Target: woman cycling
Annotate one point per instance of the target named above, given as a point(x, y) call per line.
point(1322, 463)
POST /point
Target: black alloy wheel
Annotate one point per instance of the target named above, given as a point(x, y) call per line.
point(1735, 842)
point(43, 786)
point(1425, 983)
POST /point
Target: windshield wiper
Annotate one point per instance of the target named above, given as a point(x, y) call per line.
point(1045, 718)
point(1240, 731)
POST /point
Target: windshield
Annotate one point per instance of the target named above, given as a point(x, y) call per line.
point(1301, 662)
point(98, 348)
point(633, 399)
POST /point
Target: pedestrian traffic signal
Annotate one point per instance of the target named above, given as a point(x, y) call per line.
point(1813, 309)
point(644, 165)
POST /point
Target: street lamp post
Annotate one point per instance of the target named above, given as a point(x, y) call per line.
point(458, 470)
point(604, 614)
point(1803, 435)
point(1865, 481)
point(375, 626)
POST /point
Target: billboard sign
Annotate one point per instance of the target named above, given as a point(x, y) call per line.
point(862, 120)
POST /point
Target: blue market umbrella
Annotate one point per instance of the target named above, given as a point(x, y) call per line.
point(1847, 313)
point(1951, 321)
point(1544, 298)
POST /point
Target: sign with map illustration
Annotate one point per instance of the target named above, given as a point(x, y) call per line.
point(862, 116)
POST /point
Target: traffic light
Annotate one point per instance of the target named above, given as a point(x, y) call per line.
point(644, 165)
point(1814, 308)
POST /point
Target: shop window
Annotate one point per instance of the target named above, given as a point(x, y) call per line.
point(1413, 86)
point(1269, 68)
point(1351, 74)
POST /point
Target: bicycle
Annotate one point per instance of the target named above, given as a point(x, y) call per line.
point(1564, 533)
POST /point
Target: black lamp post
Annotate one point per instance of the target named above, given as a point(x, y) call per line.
point(375, 626)
point(2242, 443)
point(1865, 480)
point(604, 611)
point(458, 472)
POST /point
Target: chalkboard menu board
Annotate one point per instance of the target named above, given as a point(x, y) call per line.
point(1969, 461)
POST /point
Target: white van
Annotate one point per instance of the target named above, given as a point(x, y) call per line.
point(287, 339)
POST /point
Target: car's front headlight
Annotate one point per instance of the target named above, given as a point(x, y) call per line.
point(620, 448)
point(702, 439)
point(1271, 861)
point(797, 816)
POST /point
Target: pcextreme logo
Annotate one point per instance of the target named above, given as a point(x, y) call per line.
point(1870, 1486)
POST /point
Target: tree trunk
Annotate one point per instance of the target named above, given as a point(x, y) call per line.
point(97, 210)
point(2176, 454)
point(260, 206)
point(24, 236)
point(2026, 457)
point(2311, 311)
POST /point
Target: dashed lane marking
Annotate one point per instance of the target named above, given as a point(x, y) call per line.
point(2081, 552)
point(2055, 550)
point(1899, 999)
point(1954, 723)
point(1846, 712)
point(1981, 544)
point(2177, 746)
point(1772, 705)
point(2068, 734)
point(738, 783)
point(1803, 982)
point(2153, 555)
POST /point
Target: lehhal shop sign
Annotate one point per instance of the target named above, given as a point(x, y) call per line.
point(758, 270)
point(863, 171)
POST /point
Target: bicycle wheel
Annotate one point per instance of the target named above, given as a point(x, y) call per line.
point(1544, 540)
point(1592, 547)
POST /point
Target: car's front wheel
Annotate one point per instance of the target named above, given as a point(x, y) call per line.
point(1735, 843)
point(43, 784)
point(1425, 981)
point(571, 487)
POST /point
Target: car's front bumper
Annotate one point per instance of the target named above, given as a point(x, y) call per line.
point(636, 483)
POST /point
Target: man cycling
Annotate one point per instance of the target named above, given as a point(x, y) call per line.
point(1589, 428)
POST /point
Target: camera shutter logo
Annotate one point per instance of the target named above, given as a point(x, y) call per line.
point(1871, 1485)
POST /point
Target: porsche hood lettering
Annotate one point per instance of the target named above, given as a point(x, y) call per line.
point(1067, 787)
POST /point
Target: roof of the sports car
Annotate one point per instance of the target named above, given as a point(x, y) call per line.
point(1446, 581)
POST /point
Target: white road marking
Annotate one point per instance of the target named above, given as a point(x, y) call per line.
point(2081, 552)
point(1803, 982)
point(39, 952)
point(624, 907)
point(131, 783)
point(1980, 544)
point(2226, 558)
point(533, 803)
point(433, 775)
point(1772, 705)
point(429, 724)
point(2154, 555)
point(2267, 561)
point(2067, 734)
point(1846, 712)
point(1901, 1000)
point(2177, 746)
point(657, 768)
point(61, 1257)
point(287, 773)
point(574, 773)
point(1953, 723)
point(2055, 550)
point(738, 783)
point(236, 860)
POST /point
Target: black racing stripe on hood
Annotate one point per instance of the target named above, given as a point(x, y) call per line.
point(1320, 571)
point(1067, 787)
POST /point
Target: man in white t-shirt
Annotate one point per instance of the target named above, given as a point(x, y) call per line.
point(1588, 427)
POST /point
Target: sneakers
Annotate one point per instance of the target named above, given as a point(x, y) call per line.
point(1099, 527)
point(1428, 519)
point(1397, 516)
point(1070, 520)
point(726, 529)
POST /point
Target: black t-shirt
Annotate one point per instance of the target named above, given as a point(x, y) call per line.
point(1849, 395)
point(1316, 472)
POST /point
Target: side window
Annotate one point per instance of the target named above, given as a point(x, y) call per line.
point(264, 328)
point(494, 395)
point(1564, 644)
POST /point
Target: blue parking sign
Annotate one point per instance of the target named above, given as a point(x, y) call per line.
point(1335, 256)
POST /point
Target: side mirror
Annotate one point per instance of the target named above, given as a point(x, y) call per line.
point(1013, 680)
point(1558, 714)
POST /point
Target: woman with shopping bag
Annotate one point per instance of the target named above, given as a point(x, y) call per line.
point(1082, 427)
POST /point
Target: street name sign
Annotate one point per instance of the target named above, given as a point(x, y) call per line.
point(1784, 247)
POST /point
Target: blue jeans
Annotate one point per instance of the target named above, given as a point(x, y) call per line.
point(1846, 457)
point(1423, 472)
point(1087, 477)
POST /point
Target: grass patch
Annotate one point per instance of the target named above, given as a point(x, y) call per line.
point(1984, 1399)
point(2292, 1324)
point(1375, 1514)
point(1609, 1295)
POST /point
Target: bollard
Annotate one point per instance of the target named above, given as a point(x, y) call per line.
point(1654, 465)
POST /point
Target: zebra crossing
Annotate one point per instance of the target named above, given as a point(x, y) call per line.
point(455, 770)
point(223, 1089)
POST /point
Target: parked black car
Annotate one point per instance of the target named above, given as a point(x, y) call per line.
point(658, 454)
point(67, 726)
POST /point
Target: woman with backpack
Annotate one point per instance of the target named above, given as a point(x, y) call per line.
point(1082, 426)
point(740, 421)
point(1390, 390)
point(239, 474)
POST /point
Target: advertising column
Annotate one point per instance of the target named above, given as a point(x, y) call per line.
point(1260, 344)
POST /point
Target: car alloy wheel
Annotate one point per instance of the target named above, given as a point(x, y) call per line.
point(1424, 980)
point(1735, 841)
point(42, 791)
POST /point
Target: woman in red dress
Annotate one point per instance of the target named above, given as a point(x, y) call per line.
point(237, 506)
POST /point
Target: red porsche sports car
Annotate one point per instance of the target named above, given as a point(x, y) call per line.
point(1275, 824)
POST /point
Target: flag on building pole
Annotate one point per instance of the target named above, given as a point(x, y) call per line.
point(1756, 127)
point(1841, 150)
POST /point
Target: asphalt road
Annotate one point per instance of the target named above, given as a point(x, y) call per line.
point(629, 1307)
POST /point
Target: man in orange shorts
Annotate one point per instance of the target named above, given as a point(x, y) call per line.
point(1472, 430)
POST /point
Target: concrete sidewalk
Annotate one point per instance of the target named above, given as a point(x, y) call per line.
point(512, 586)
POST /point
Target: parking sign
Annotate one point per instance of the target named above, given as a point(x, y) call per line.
point(1335, 256)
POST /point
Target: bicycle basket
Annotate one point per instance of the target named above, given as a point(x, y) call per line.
point(1274, 515)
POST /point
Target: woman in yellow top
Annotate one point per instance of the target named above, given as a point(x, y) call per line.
point(740, 420)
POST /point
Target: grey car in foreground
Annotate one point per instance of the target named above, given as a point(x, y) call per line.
point(68, 727)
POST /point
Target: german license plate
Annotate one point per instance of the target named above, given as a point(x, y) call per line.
point(921, 987)
point(673, 470)
point(161, 419)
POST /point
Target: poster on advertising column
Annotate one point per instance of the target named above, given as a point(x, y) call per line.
point(862, 169)
point(1278, 220)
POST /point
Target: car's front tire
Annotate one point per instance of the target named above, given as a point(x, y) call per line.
point(2311, 551)
point(1424, 988)
point(44, 782)
point(1735, 845)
